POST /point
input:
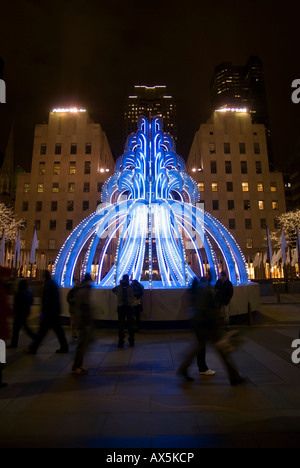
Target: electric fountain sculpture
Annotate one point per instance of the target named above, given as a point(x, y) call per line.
point(152, 224)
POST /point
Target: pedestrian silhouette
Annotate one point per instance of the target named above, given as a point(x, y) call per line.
point(84, 320)
point(23, 301)
point(50, 316)
point(5, 312)
point(207, 329)
point(224, 294)
point(125, 298)
point(71, 299)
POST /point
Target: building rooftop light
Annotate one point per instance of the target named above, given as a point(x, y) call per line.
point(72, 110)
point(233, 109)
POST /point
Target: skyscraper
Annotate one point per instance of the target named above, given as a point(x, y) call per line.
point(150, 101)
point(243, 87)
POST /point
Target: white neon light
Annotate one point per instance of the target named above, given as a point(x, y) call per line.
point(233, 109)
point(70, 110)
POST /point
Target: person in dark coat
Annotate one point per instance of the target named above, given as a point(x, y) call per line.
point(22, 307)
point(5, 313)
point(224, 294)
point(206, 327)
point(125, 297)
point(50, 316)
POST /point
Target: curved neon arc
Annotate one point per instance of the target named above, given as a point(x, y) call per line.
point(158, 216)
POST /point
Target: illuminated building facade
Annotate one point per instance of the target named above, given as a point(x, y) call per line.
point(150, 101)
point(151, 218)
point(229, 161)
point(71, 161)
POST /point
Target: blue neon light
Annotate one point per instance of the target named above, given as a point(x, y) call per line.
point(150, 218)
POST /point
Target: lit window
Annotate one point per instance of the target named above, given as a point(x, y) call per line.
point(56, 168)
point(55, 187)
point(42, 168)
point(275, 205)
point(26, 188)
point(249, 243)
point(214, 186)
point(260, 187)
point(245, 186)
point(72, 168)
point(40, 188)
point(261, 205)
point(273, 187)
point(201, 186)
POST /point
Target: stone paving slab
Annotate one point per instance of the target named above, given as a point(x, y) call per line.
point(132, 398)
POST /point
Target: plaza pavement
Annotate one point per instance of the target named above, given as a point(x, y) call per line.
point(132, 398)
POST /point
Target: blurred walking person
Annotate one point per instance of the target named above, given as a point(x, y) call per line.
point(23, 301)
point(5, 312)
point(50, 316)
point(206, 327)
point(71, 299)
point(125, 298)
point(84, 320)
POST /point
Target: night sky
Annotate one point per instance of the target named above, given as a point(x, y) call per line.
point(91, 53)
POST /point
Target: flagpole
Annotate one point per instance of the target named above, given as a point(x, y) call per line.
point(298, 246)
point(2, 253)
point(34, 246)
point(270, 253)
